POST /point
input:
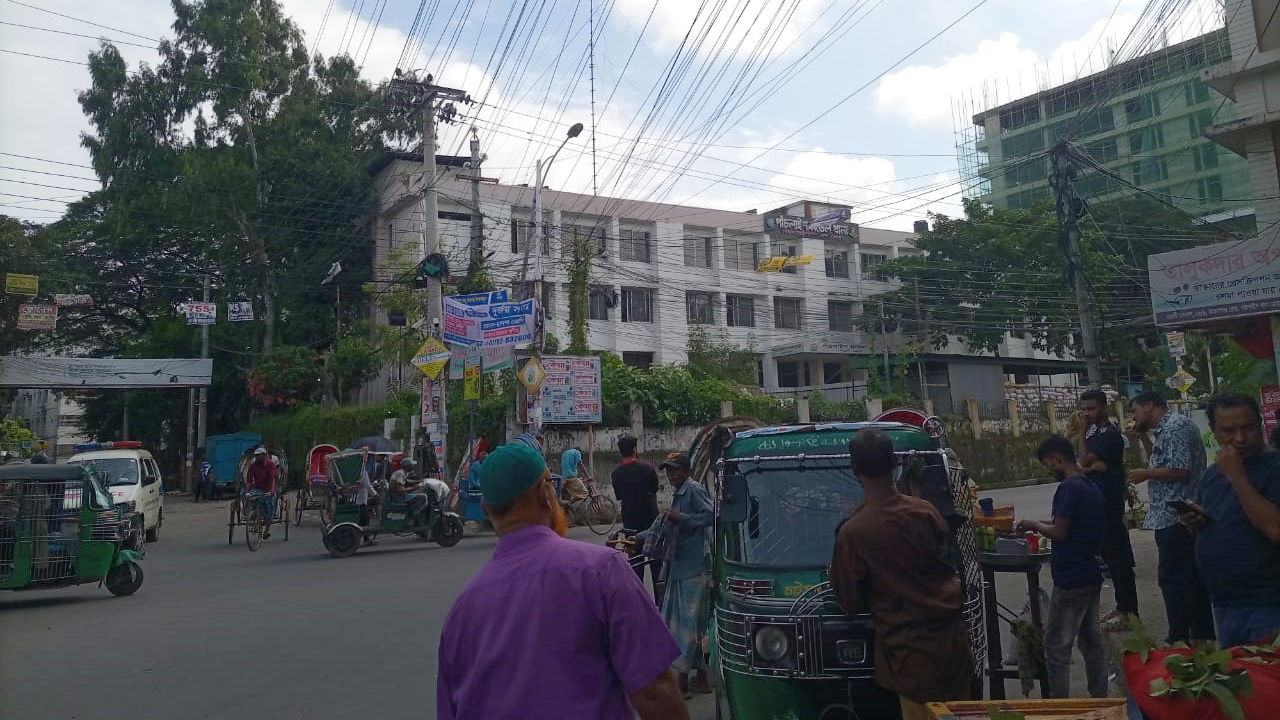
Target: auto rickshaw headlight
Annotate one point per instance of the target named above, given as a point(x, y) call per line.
point(771, 643)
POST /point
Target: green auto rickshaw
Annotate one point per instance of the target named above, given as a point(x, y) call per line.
point(58, 528)
point(781, 646)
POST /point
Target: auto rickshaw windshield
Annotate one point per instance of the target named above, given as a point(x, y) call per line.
point(99, 499)
point(794, 512)
point(119, 470)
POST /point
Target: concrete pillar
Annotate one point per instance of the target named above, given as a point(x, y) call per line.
point(1015, 420)
point(726, 409)
point(637, 426)
point(928, 406)
point(802, 410)
point(1051, 411)
point(875, 406)
point(971, 407)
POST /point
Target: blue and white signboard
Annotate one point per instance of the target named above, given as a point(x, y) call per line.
point(1225, 280)
point(470, 321)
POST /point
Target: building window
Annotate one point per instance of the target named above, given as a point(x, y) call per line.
point(1198, 122)
point(575, 235)
point(1018, 115)
point(697, 252)
point(1142, 107)
point(1023, 144)
point(1103, 151)
point(840, 316)
point(1149, 171)
point(1147, 139)
point(524, 291)
point(637, 305)
point(832, 372)
point(787, 312)
point(599, 299)
point(739, 311)
point(1206, 156)
point(700, 307)
point(741, 252)
point(837, 261)
point(1210, 189)
point(793, 374)
point(869, 263)
point(522, 230)
point(642, 360)
point(1196, 92)
point(1029, 171)
point(635, 245)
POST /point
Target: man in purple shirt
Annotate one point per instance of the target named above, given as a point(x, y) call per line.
point(550, 627)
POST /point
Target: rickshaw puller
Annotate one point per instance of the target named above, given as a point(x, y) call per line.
point(261, 479)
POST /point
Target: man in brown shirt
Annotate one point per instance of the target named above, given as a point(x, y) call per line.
point(889, 560)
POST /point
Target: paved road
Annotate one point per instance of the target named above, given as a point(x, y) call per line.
point(1033, 502)
point(219, 632)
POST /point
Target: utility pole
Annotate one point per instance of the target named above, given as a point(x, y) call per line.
point(1070, 209)
point(477, 220)
point(202, 421)
point(884, 340)
point(924, 337)
point(430, 99)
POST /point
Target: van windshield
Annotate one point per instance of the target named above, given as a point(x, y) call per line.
point(795, 511)
point(120, 471)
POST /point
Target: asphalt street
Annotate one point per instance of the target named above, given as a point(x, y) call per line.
point(286, 632)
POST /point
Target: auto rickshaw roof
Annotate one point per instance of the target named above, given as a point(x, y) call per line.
point(822, 438)
point(39, 472)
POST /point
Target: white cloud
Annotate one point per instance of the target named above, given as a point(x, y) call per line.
point(1005, 69)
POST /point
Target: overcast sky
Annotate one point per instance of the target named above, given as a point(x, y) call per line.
point(687, 108)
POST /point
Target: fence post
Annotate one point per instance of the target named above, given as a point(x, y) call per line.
point(875, 406)
point(637, 426)
point(802, 410)
point(971, 405)
point(1015, 422)
point(726, 409)
point(1051, 410)
point(928, 406)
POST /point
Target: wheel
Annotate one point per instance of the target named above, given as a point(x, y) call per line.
point(448, 531)
point(601, 514)
point(301, 502)
point(124, 579)
point(253, 528)
point(233, 521)
point(154, 533)
point(343, 542)
point(326, 509)
point(285, 522)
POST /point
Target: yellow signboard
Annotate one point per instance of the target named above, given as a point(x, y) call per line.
point(431, 358)
point(532, 375)
point(15, 284)
point(778, 262)
point(471, 374)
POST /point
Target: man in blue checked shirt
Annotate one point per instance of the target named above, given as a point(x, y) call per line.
point(1177, 464)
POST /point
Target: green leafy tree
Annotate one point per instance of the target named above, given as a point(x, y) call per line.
point(13, 433)
point(285, 377)
point(720, 357)
point(352, 362)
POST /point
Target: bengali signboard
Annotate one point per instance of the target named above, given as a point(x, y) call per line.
point(1225, 280)
point(834, 224)
point(200, 313)
point(37, 317)
point(571, 390)
point(73, 300)
point(240, 311)
point(489, 324)
point(1177, 342)
point(472, 374)
point(16, 284)
point(1270, 407)
point(431, 358)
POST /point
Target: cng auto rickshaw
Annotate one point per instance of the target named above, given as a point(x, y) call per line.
point(345, 534)
point(59, 527)
point(781, 646)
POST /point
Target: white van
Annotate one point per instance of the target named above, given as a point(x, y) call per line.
point(133, 479)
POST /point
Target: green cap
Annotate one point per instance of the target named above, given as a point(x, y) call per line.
point(509, 472)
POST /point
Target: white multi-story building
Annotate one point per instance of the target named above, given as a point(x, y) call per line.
point(657, 268)
point(55, 417)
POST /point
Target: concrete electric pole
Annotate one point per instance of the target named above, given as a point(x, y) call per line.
point(1070, 209)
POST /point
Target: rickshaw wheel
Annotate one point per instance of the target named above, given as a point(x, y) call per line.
point(448, 531)
point(326, 509)
point(124, 579)
point(232, 522)
point(253, 529)
point(301, 501)
point(600, 514)
point(343, 542)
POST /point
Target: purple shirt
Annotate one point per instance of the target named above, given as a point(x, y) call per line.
point(550, 628)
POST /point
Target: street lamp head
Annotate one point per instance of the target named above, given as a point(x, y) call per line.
point(576, 130)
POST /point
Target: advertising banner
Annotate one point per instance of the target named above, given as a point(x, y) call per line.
point(200, 313)
point(73, 300)
point(491, 324)
point(1230, 279)
point(15, 284)
point(37, 317)
point(571, 391)
point(240, 311)
point(1270, 406)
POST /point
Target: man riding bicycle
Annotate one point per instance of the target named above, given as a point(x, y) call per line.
point(262, 479)
point(570, 463)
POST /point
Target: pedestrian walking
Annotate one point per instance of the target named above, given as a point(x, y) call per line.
point(204, 486)
point(1236, 517)
point(889, 559)
point(635, 484)
point(1076, 531)
point(1100, 447)
point(550, 628)
point(1176, 466)
point(686, 606)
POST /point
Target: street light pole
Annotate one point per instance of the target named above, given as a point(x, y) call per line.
point(574, 131)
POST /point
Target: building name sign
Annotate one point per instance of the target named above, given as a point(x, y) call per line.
point(830, 225)
point(1215, 282)
point(821, 348)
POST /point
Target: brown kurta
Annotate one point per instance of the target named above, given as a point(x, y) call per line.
point(888, 560)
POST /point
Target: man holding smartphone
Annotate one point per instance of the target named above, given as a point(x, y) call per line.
point(1237, 521)
point(1177, 462)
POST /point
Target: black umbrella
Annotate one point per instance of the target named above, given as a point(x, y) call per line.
point(375, 444)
